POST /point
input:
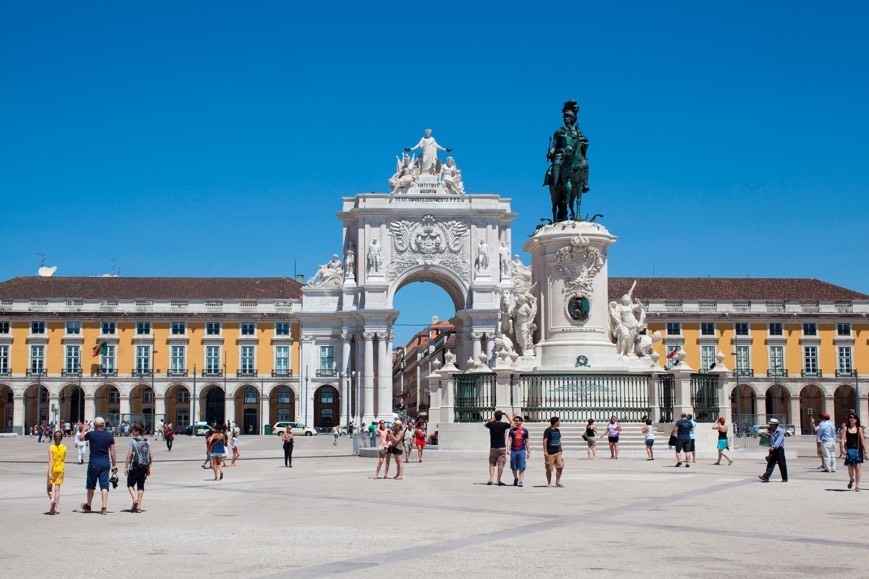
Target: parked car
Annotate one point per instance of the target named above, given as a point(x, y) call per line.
point(202, 429)
point(297, 428)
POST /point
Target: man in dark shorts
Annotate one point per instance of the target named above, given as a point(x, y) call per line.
point(552, 456)
point(136, 469)
point(683, 430)
point(497, 446)
point(102, 461)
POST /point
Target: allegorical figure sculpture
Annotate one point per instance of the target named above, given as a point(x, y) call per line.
point(428, 161)
point(406, 173)
point(350, 260)
point(451, 177)
point(375, 257)
point(567, 175)
point(627, 320)
point(331, 274)
point(504, 260)
point(482, 262)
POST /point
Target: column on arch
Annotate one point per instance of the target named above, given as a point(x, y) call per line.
point(368, 378)
point(18, 414)
point(384, 378)
point(343, 411)
point(229, 405)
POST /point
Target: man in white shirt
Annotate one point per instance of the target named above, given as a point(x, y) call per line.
point(827, 437)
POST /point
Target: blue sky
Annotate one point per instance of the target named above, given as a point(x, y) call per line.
point(217, 138)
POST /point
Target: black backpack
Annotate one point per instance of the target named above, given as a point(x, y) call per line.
point(141, 453)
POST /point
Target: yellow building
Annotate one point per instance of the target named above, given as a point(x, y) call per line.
point(217, 349)
point(794, 345)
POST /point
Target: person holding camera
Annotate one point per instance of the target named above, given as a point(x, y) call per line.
point(102, 461)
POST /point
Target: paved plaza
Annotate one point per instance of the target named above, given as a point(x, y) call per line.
point(327, 516)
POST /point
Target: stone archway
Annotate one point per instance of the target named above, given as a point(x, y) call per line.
point(6, 408)
point(36, 409)
point(811, 406)
point(72, 407)
point(282, 404)
point(743, 402)
point(778, 398)
point(178, 407)
point(247, 408)
point(327, 407)
point(844, 401)
point(213, 404)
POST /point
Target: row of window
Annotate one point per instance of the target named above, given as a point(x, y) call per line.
point(844, 359)
point(182, 396)
point(743, 329)
point(143, 359)
point(73, 328)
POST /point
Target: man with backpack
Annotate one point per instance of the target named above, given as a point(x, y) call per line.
point(138, 466)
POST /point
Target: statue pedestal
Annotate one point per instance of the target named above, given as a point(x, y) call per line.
point(569, 264)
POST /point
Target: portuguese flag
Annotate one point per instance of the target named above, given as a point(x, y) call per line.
point(101, 348)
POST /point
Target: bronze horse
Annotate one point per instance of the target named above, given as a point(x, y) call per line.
point(567, 176)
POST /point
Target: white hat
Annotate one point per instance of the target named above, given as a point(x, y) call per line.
point(398, 422)
point(99, 421)
point(773, 421)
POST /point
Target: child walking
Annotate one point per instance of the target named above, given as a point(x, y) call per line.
point(56, 460)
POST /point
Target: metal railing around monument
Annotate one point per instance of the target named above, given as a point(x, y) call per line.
point(578, 397)
point(667, 396)
point(704, 397)
point(474, 397)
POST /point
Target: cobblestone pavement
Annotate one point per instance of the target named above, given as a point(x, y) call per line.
point(327, 515)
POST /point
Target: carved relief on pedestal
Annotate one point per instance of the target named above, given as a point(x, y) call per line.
point(429, 242)
point(578, 264)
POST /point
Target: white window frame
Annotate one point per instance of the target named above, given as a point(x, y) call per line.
point(736, 327)
point(143, 359)
point(743, 359)
point(707, 358)
point(678, 326)
point(173, 326)
point(247, 360)
point(4, 359)
point(282, 363)
point(177, 359)
point(108, 361)
point(113, 326)
point(702, 324)
point(5, 327)
point(279, 330)
point(812, 325)
point(840, 326)
point(74, 326)
point(844, 359)
point(143, 325)
point(72, 360)
point(210, 325)
point(773, 358)
point(37, 325)
point(212, 362)
point(245, 326)
point(810, 363)
point(781, 328)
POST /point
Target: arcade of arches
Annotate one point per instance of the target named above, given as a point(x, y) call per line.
point(799, 410)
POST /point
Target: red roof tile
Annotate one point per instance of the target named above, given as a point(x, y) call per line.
point(728, 288)
point(215, 288)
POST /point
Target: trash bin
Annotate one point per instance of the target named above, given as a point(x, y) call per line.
point(267, 429)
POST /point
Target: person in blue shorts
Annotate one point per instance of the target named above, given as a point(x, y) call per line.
point(517, 439)
point(102, 461)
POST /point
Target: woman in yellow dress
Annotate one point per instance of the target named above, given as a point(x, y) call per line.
point(56, 460)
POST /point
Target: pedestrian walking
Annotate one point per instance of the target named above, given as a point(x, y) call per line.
point(169, 436)
point(382, 435)
point(590, 438)
point(419, 441)
point(693, 446)
point(721, 427)
point(816, 424)
point(613, 429)
point(236, 431)
point(776, 452)
point(137, 465)
point(80, 443)
point(682, 431)
point(826, 435)
point(218, 452)
point(552, 455)
point(520, 450)
point(649, 436)
point(336, 432)
point(497, 447)
point(854, 447)
point(396, 437)
point(208, 441)
point(56, 462)
point(287, 441)
point(103, 460)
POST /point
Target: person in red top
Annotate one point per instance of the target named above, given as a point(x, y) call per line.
point(517, 438)
point(419, 440)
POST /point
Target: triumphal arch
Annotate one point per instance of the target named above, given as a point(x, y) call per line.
point(426, 228)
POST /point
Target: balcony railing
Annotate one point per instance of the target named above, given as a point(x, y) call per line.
point(748, 373)
point(845, 373)
point(104, 372)
point(212, 373)
point(139, 372)
point(71, 372)
point(246, 372)
point(326, 373)
point(177, 372)
point(285, 373)
point(32, 372)
point(811, 373)
point(777, 373)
